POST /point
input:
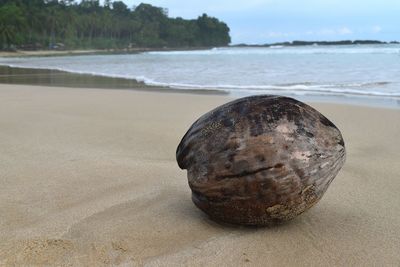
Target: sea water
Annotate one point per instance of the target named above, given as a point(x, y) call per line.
point(369, 72)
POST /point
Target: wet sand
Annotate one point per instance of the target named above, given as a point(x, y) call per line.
point(89, 178)
point(48, 77)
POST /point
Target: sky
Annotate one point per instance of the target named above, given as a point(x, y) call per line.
point(269, 21)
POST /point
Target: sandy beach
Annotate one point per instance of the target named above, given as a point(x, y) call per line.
point(89, 178)
point(77, 52)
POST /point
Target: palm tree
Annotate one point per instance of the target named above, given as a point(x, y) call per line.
point(12, 23)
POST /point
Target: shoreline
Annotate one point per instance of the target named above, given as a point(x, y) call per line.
point(58, 78)
point(89, 178)
point(82, 52)
point(47, 52)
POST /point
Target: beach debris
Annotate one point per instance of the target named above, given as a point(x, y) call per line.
point(260, 160)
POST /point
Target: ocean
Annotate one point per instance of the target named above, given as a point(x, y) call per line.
point(365, 73)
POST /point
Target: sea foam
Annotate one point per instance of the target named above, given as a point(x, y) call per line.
point(358, 70)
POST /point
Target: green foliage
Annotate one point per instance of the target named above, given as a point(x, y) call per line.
point(212, 32)
point(12, 23)
point(88, 24)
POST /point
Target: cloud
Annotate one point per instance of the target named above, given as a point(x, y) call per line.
point(376, 29)
point(344, 31)
point(330, 31)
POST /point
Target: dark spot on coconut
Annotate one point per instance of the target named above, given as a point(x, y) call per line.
point(241, 166)
point(226, 192)
point(199, 196)
point(241, 173)
point(279, 165)
point(256, 130)
point(309, 134)
point(264, 173)
point(257, 119)
point(260, 158)
point(341, 142)
point(216, 113)
point(227, 165)
point(182, 153)
point(210, 169)
point(299, 173)
point(241, 109)
point(232, 145)
point(267, 184)
point(227, 122)
point(326, 122)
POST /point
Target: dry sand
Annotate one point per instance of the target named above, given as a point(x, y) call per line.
point(88, 178)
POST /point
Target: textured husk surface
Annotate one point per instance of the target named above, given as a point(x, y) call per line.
point(260, 160)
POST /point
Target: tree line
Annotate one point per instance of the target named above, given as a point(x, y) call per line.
point(35, 24)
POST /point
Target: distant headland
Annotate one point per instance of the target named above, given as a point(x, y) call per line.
point(305, 43)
